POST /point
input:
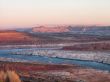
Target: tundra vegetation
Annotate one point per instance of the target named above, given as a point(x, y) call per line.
point(9, 76)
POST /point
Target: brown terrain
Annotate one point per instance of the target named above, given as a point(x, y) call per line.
point(89, 47)
point(33, 72)
point(13, 37)
point(22, 38)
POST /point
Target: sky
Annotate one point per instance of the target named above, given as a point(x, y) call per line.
point(28, 13)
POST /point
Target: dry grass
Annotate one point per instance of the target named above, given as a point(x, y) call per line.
point(9, 76)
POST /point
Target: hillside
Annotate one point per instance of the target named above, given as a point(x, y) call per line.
point(13, 37)
point(33, 72)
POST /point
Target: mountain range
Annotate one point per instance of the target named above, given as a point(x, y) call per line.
point(90, 30)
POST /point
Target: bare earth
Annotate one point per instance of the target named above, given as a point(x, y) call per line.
point(34, 72)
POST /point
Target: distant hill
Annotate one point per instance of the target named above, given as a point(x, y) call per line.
point(86, 30)
point(91, 30)
point(47, 29)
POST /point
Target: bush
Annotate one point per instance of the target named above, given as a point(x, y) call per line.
point(9, 76)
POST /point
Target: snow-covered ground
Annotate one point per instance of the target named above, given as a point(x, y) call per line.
point(97, 56)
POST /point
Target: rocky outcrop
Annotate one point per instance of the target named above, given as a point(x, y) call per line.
point(48, 29)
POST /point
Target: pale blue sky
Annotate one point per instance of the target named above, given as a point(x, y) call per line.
point(23, 13)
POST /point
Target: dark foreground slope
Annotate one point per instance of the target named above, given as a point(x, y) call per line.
point(33, 72)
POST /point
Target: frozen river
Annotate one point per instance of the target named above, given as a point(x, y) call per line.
point(42, 59)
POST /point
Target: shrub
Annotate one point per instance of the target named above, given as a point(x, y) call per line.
point(9, 76)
